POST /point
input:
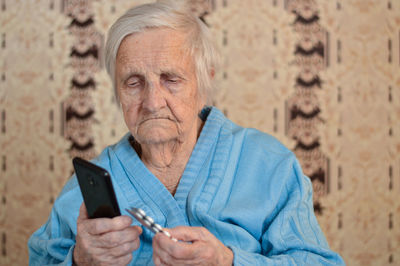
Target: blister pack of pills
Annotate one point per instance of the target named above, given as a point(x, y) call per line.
point(148, 222)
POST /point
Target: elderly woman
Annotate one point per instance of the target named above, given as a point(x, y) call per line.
point(231, 195)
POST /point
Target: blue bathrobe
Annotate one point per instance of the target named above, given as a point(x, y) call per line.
point(241, 184)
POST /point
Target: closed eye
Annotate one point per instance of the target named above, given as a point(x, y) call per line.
point(170, 78)
point(134, 82)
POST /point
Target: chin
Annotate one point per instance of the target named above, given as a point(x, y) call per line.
point(154, 141)
point(154, 138)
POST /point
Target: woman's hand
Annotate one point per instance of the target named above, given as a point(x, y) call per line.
point(204, 249)
point(105, 241)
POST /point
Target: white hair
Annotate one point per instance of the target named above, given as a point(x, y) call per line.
point(174, 15)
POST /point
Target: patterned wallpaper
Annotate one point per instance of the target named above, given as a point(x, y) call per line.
point(323, 76)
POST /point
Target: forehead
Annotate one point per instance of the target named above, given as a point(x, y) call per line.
point(154, 48)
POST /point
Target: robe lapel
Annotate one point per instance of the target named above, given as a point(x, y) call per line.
point(142, 189)
point(205, 169)
point(200, 159)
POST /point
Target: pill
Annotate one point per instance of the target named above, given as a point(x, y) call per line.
point(166, 233)
point(140, 211)
point(158, 227)
point(149, 219)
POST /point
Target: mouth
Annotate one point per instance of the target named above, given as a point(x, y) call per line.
point(155, 118)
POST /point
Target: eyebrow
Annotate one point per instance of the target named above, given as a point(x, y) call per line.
point(169, 72)
point(130, 73)
point(173, 73)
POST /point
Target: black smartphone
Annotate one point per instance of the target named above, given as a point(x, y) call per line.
point(97, 189)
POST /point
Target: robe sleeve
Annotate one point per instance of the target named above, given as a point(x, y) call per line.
point(294, 236)
point(52, 244)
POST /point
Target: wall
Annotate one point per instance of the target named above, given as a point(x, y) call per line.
point(322, 76)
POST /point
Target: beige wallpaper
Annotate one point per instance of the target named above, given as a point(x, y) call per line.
point(322, 76)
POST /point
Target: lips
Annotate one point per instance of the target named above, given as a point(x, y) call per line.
point(155, 118)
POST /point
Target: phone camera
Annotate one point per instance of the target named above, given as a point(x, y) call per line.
point(92, 182)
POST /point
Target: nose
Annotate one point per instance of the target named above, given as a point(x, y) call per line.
point(153, 98)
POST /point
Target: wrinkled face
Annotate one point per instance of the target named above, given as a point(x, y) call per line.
point(157, 87)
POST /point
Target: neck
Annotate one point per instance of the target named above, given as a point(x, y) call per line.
point(164, 155)
point(167, 160)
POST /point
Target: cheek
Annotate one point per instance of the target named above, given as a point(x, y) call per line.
point(185, 112)
point(191, 102)
point(130, 111)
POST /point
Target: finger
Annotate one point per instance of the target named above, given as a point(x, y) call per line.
point(104, 225)
point(158, 262)
point(189, 234)
point(159, 248)
point(124, 249)
point(160, 256)
point(83, 214)
point(122, 260)
point(116, 238)
point(175, 250)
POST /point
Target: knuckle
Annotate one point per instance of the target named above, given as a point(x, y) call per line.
point(131, 234)
point(116, 252)
point(112, 240)
point(127, 248)
point(124, 260)
point(203, 231)
point(121, 250)
point(97, 226)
